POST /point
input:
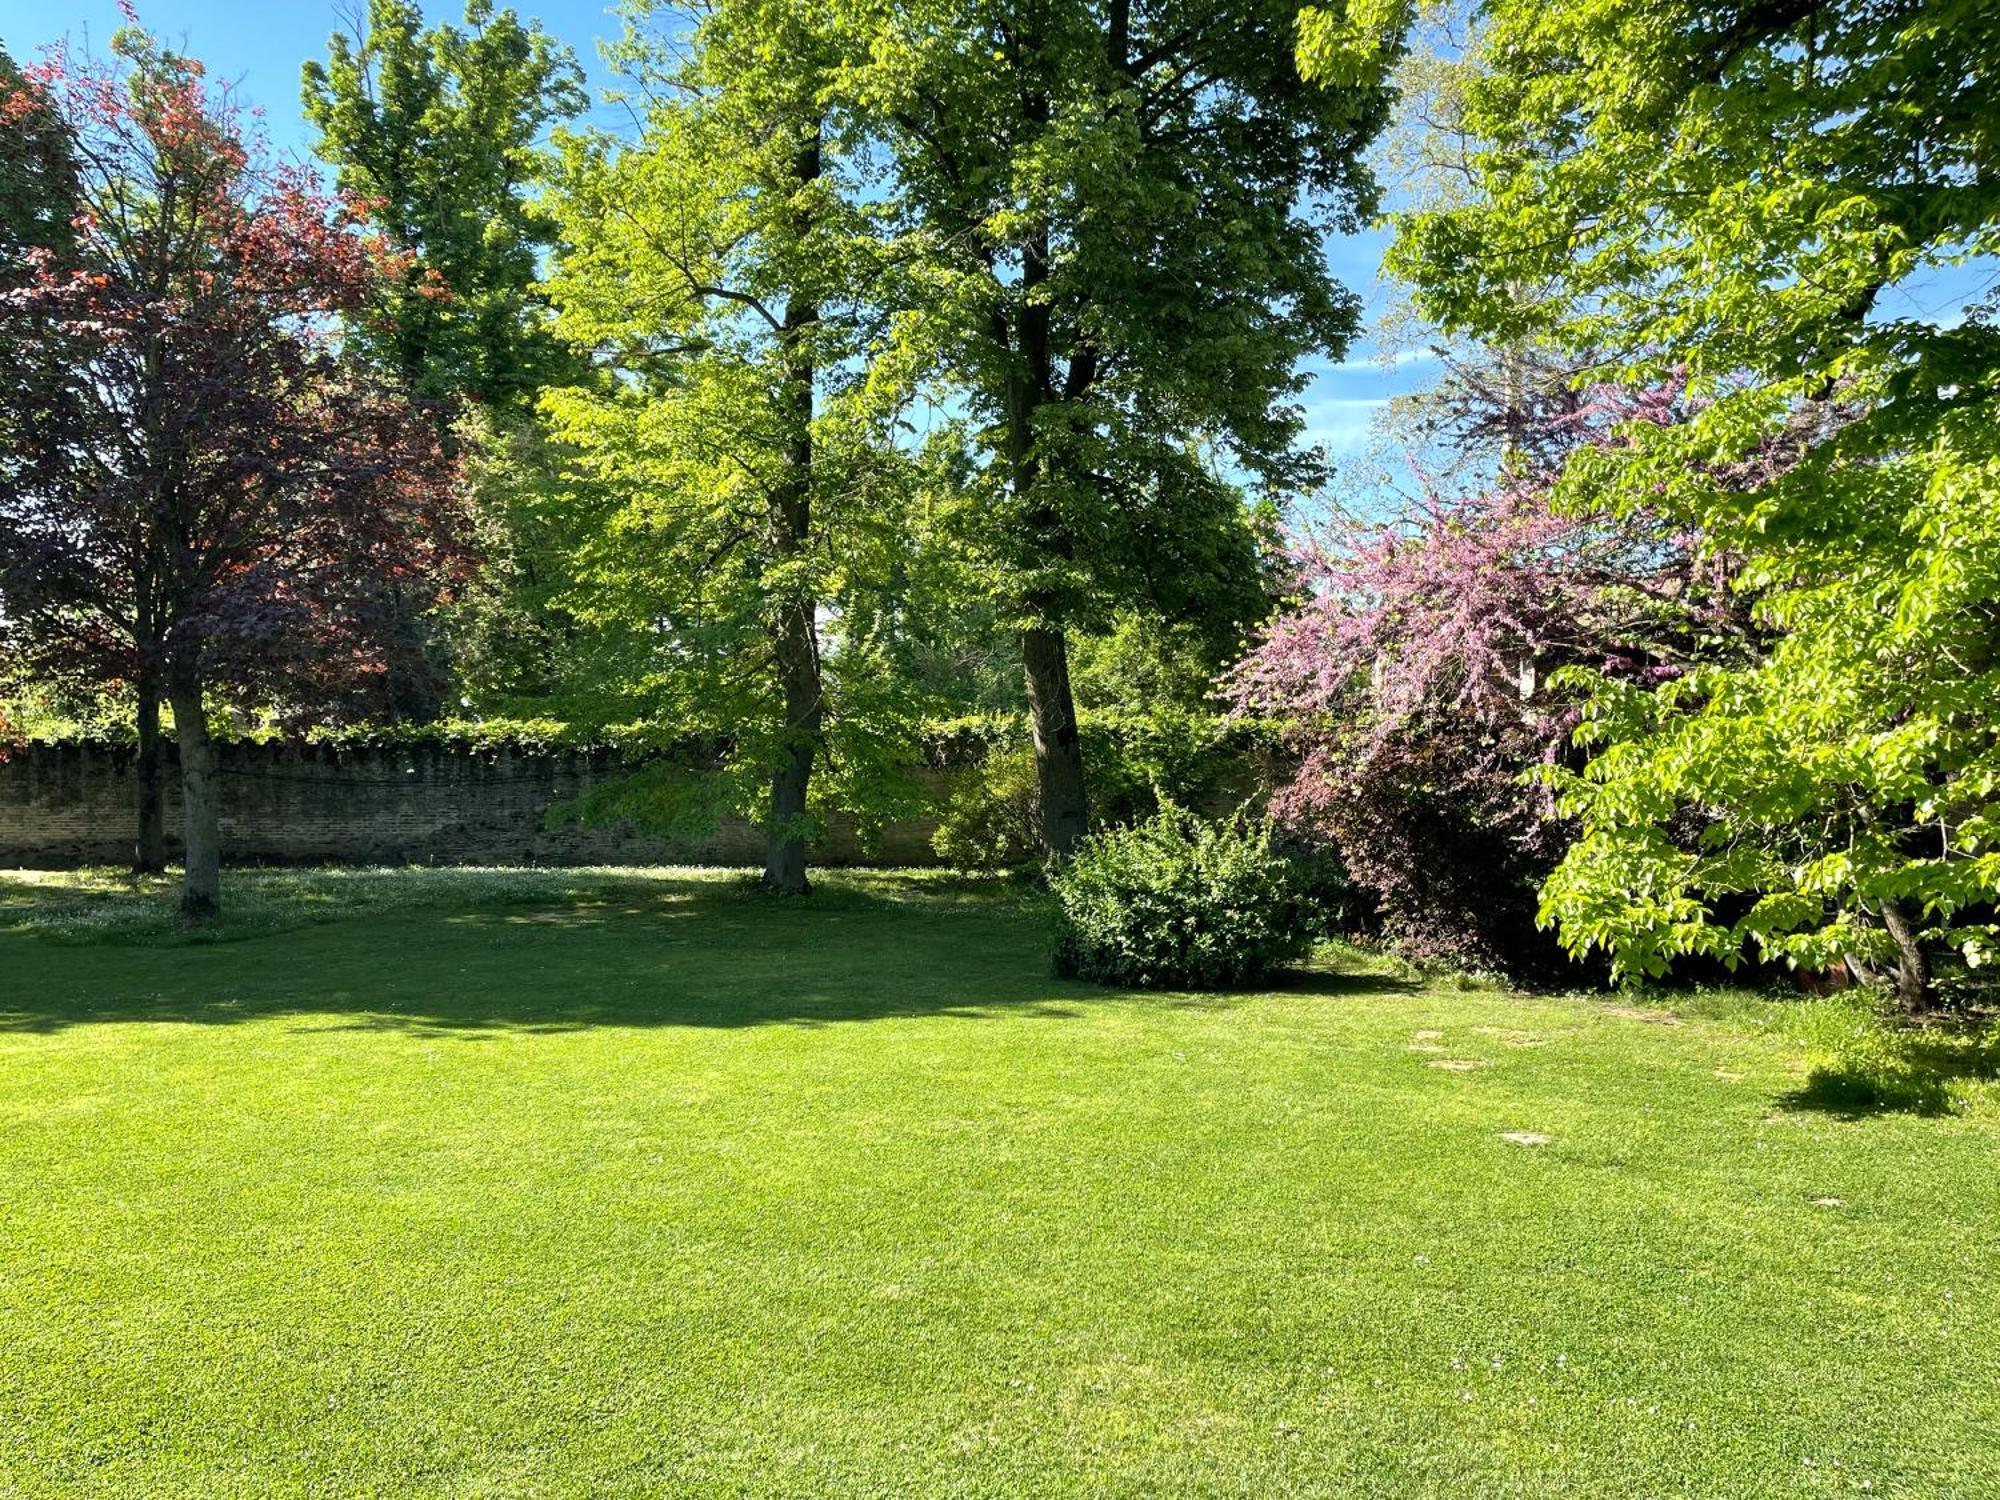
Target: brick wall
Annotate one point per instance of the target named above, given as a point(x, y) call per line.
point(67, 805)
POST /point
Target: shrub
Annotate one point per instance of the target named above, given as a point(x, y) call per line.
point(1436, 826)
point(989, 819)
point(1174, 902)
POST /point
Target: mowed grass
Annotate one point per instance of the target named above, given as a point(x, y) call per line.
point(594, 1184)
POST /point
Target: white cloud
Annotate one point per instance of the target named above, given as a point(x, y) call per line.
point(1342, 424)
point(1377, 363)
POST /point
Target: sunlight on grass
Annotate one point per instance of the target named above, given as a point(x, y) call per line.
point(580, 1183)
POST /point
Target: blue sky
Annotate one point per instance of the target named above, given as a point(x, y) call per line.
point(259, 45)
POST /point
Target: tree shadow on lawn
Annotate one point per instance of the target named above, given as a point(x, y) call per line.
point(1343, 984)
point(1907, 1071)
point(696, 953)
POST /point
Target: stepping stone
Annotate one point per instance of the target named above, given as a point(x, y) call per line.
point(1527, 1137)
point(1458, 1064)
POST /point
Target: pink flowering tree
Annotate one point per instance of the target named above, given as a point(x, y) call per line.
point(1415, 680)
point(202, 495)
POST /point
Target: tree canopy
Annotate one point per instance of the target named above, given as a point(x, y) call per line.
point(1756, 198)
point(438, 131)
point(732, 493)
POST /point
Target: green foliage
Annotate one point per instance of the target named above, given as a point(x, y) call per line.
point(728, 509)
point(1750, 200)
point(1140, 761)
point(989, 819)
point(524, 736)
point(38, 184)
point(1115, 276)
point(439, 131)
point(1353, 42)
point(39, 195)
point(512, 643)
point(1177, 902)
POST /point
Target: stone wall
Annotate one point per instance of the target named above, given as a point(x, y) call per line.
point(68, 805)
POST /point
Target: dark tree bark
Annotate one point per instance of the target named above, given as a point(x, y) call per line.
point(795, 640)
point(1913, 964)
point(201, 808)
point(149, 848)
point(1059, 783)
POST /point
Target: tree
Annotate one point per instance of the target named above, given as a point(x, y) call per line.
point(439, 132)
point(1112, 217)
point(37, 176)
point(1759, 194)
point(37, 201)
point(205, 495)
point(1416, 678)
point(736, 482)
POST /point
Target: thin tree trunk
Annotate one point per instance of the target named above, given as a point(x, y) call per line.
point(797, 651)
point(795, 644)
point(785, 858)
point(1913, 965)
point(1058, 748)
point(201, 890)
point(149, 847)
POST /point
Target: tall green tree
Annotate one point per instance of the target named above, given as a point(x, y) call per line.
point(37, 200)
point(1113, 215)
point(439, 129)
point(38, 188)
point(1761, 197)
point(732, 492)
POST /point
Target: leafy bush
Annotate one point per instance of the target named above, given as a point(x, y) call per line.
point(1437, 827)
point(989, 820)
point(1177, 902)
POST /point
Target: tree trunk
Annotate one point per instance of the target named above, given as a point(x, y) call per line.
point(797, 651)
point(201, 890)
point(785, 859)
point(794, 642)
point(1913, 965)
point(1059, 783)
point(1058, 748)
point(149, 847)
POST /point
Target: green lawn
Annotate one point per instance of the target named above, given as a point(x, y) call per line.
point(586, 1184)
